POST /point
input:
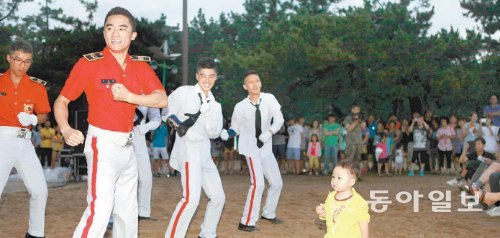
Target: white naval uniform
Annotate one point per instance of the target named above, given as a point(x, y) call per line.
point(192, 158)
point(142, 154)
point(261, 162)
point(18, 152)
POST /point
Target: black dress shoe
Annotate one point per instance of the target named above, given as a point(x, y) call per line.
point(139, 218)
point(273, 221)
point(30, 236)
point(200, 237)
point(242, 227)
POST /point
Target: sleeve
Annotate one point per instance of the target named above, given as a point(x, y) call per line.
point(278, 119)
point(154, 118)
point(363, 215)
point(346, 122)
point(77, 81)
point(42, 105)
point(236, 120)
point(490, 156)
point(175, 100)
point(151, 81)
point(213, 122)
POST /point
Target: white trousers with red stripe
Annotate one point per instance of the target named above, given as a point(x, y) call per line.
point(112, 186)
point(260, 168)
point(145, 175)
point(194, 177)
point(20, 154)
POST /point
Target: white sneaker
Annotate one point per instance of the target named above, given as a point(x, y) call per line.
point(454, 182)
point(489, 209)
point(494, 212)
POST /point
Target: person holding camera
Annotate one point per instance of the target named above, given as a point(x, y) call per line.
point(493, 111)
point(420, 130)
point(472, 131)
point(490, 135)
point(354, 138)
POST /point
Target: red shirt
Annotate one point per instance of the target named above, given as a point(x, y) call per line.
point(96, 77)
point(28, 96)
point(313, 149)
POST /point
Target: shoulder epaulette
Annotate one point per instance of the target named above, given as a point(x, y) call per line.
point(141, 58)
point(38, 81)
point(93, 56)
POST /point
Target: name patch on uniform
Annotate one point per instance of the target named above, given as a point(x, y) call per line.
point(93, 56)
point(38, 81)
point(141, 58)
point(108, 81)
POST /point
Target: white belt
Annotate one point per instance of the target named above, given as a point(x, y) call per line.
point(15, 132)
point(122, 138)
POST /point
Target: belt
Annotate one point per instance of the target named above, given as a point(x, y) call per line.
point(15, 132)
point(124, 139)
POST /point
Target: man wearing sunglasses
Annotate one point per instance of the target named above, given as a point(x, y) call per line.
point(23, 103)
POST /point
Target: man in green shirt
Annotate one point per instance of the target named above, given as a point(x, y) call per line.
point(331, 132)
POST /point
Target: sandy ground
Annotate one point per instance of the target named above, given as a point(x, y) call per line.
point(299, 197)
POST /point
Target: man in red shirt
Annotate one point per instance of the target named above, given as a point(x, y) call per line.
point(114, 83)
point(23, 104)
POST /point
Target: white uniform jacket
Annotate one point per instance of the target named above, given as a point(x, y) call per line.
point(195, 145)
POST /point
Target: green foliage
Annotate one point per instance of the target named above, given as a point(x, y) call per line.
point(380, 56)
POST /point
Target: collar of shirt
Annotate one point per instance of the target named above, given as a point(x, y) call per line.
point(106, 52)
point(198, 89)
point(259, 100)
point(23, 80)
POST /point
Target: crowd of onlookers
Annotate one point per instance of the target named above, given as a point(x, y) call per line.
point(414, 145)
point(389, 147)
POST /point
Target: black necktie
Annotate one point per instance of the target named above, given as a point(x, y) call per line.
point(258, 129)
point(139, 115)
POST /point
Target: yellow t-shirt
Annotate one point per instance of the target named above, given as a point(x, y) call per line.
point(343, 217)
point(48, 133)
point(57, 144)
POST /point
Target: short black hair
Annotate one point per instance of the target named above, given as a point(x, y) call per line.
point(21, 45)
point(206, 63)
point(350, 165)
point(121, 11)
point(331, 115)
point(250, 72)
point(483, 141)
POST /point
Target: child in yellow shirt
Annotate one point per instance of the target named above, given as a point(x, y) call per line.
point(345, 211)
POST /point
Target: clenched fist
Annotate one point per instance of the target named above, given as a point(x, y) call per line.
point(120, 92)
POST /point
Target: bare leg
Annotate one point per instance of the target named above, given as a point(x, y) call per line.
point(55, 157)
point(495, 167)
